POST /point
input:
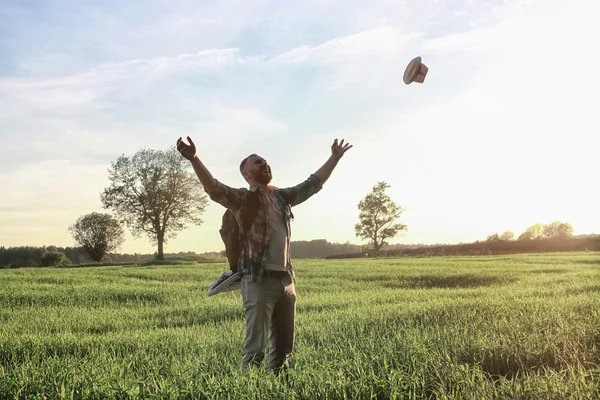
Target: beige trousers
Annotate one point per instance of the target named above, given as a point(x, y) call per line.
point(270, 307)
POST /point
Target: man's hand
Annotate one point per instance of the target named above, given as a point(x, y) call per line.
point(187, 151)
point(338, 150)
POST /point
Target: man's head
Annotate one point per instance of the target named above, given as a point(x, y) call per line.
point(255, 170)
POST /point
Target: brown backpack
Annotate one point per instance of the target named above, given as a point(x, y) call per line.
point(230, 232)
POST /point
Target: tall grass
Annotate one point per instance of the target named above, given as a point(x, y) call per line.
point(519, 326)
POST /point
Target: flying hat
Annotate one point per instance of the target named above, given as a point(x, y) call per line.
point(415, 71)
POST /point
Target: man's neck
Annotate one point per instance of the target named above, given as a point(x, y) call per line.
point(265, 188)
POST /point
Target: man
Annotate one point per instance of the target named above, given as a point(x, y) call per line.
point(267, 276)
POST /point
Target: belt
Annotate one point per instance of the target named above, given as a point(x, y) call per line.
point(275, 274)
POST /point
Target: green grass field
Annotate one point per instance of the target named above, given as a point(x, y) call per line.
point(486, 327)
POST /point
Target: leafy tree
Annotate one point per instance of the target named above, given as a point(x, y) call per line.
point(507, 236)
point(154, 194)
point(98, 234)
point(532, 233)
point(556, 230)
point(378, 213)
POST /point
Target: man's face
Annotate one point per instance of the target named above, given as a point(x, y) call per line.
point(258, 170)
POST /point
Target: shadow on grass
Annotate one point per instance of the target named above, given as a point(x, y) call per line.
point(373, 278)
point(166, 278)
point(51, 281)
point(587, 289)
point(182, 261)
point(550, 271)
point(445, 282)
point(101, 329)
point(98, 264)
point(499, 364)
point(587, 262)
point(316, 308)
point(128, 297)
point(101, 299)
point(145, 277)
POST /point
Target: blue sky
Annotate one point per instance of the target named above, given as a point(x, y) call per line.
point(502, 134)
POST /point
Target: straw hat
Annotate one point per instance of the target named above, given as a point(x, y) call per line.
point(415, 71)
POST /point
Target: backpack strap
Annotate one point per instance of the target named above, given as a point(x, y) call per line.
point(249, 211)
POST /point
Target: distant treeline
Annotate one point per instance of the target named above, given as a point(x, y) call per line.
point(575, 243)
point(321, 248)
point(31, 256)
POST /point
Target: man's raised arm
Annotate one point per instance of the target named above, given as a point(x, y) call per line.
point(189, 152)
point(228, 197)
point(300, 193)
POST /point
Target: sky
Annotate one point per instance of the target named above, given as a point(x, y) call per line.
point(502, 134)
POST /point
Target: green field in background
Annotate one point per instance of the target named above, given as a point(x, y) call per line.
point(481, 327)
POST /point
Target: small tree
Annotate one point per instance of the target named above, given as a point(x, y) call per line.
point(54, 259)
point(492, 238)
point(554, 230)
point(557, 230)
point(378, 212)
point(98, 234)
point(154, 194)
point(532, 233)
point(507, 236)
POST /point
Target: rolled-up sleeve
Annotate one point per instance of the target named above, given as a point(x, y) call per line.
point(303, 191)
point(227, 196)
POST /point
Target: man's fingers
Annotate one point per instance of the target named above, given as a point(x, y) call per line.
point(341, 147)
point(191, 142)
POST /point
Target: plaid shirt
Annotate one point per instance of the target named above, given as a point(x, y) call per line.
point(258, 236)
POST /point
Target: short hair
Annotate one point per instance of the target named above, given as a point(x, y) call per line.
point(244, 162)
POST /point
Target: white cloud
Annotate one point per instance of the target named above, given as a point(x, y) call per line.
point(352, 48)
point(499, 120)
point(68, 94)
point(129, 68)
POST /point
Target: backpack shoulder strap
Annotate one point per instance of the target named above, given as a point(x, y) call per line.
point(252, 204)
point(249, 210)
